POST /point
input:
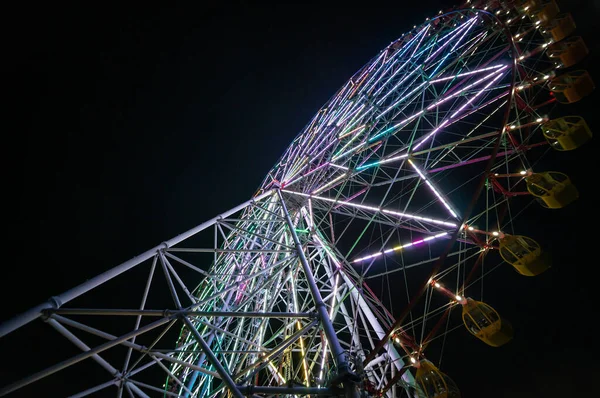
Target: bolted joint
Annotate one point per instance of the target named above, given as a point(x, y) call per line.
point(55, 304)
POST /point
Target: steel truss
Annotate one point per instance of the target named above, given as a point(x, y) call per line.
point(389, 178)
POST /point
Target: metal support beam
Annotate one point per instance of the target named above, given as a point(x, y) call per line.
point(84, 347)
point(94, 389)
point(155, 355)
point(337, 351)
point(57, 301)
point(249, 390)
point(167, 313)
point(80, 357)
point(276, 351)
point(213, 359)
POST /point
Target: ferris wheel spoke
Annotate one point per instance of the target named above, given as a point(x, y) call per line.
point(297, 286)
point(445, 202)
point(372, 209)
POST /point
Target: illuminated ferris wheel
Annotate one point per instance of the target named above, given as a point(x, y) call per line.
point(372, 227)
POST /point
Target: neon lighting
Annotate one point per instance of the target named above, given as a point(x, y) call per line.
point(356, 118)
point(324, 149)
point(452, 33)
point(399, 69)
point(430, 107)
point(430, 134)
point(350, 114)
point(330, 183)
point(391, 91)
point(335, 289)
point(299, 326)
point(397, 125)
point(400, 247)
point(372, 208)
point(420, 40)
point(274, 369)
point(435, 191)
point(348, 151)
point(342, 135)
point(372, 65)
point(437, 103)
point(380, 77)
point(365, 166)
point(339, 167)
point(400, 100)
point(306, 174)
point(441, 79)
point(345, 145)
point(469, 24)
point(376, 72)
point(296, 168)
point(445, 122)
point(476, 95)
point(342, 111)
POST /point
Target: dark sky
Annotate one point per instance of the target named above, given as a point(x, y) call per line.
point(133, 125)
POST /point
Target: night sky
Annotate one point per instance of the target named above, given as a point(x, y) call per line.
point(134, 125)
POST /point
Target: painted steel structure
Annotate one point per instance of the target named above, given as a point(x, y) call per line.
point(404, 180)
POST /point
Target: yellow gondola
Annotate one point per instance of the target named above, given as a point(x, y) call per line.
point(554, 190)
point(569, 51)
point(524, 254)
point(572, 86)
point(433, 383)
point(559, 27)
point(543, 11)
point(566, 133)
point(483, 322)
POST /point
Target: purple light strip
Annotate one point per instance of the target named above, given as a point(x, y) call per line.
point(444, 99)
point(345, 108)
point(417, 69)
point(476, 95)
point(435, 104)
point(446, 121)
point(350, 115)
point(399, 69)
point(420, 40)
point(453, 33)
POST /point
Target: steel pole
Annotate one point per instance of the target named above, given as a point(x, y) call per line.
point(84, 347)
point(336, 348)
point(248, 390)
point(95, 389)
point(55, 302)
point(80, 357)
point(225, 376)
point(166, 313)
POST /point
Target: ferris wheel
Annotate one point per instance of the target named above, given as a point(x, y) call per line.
point(387, 212)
